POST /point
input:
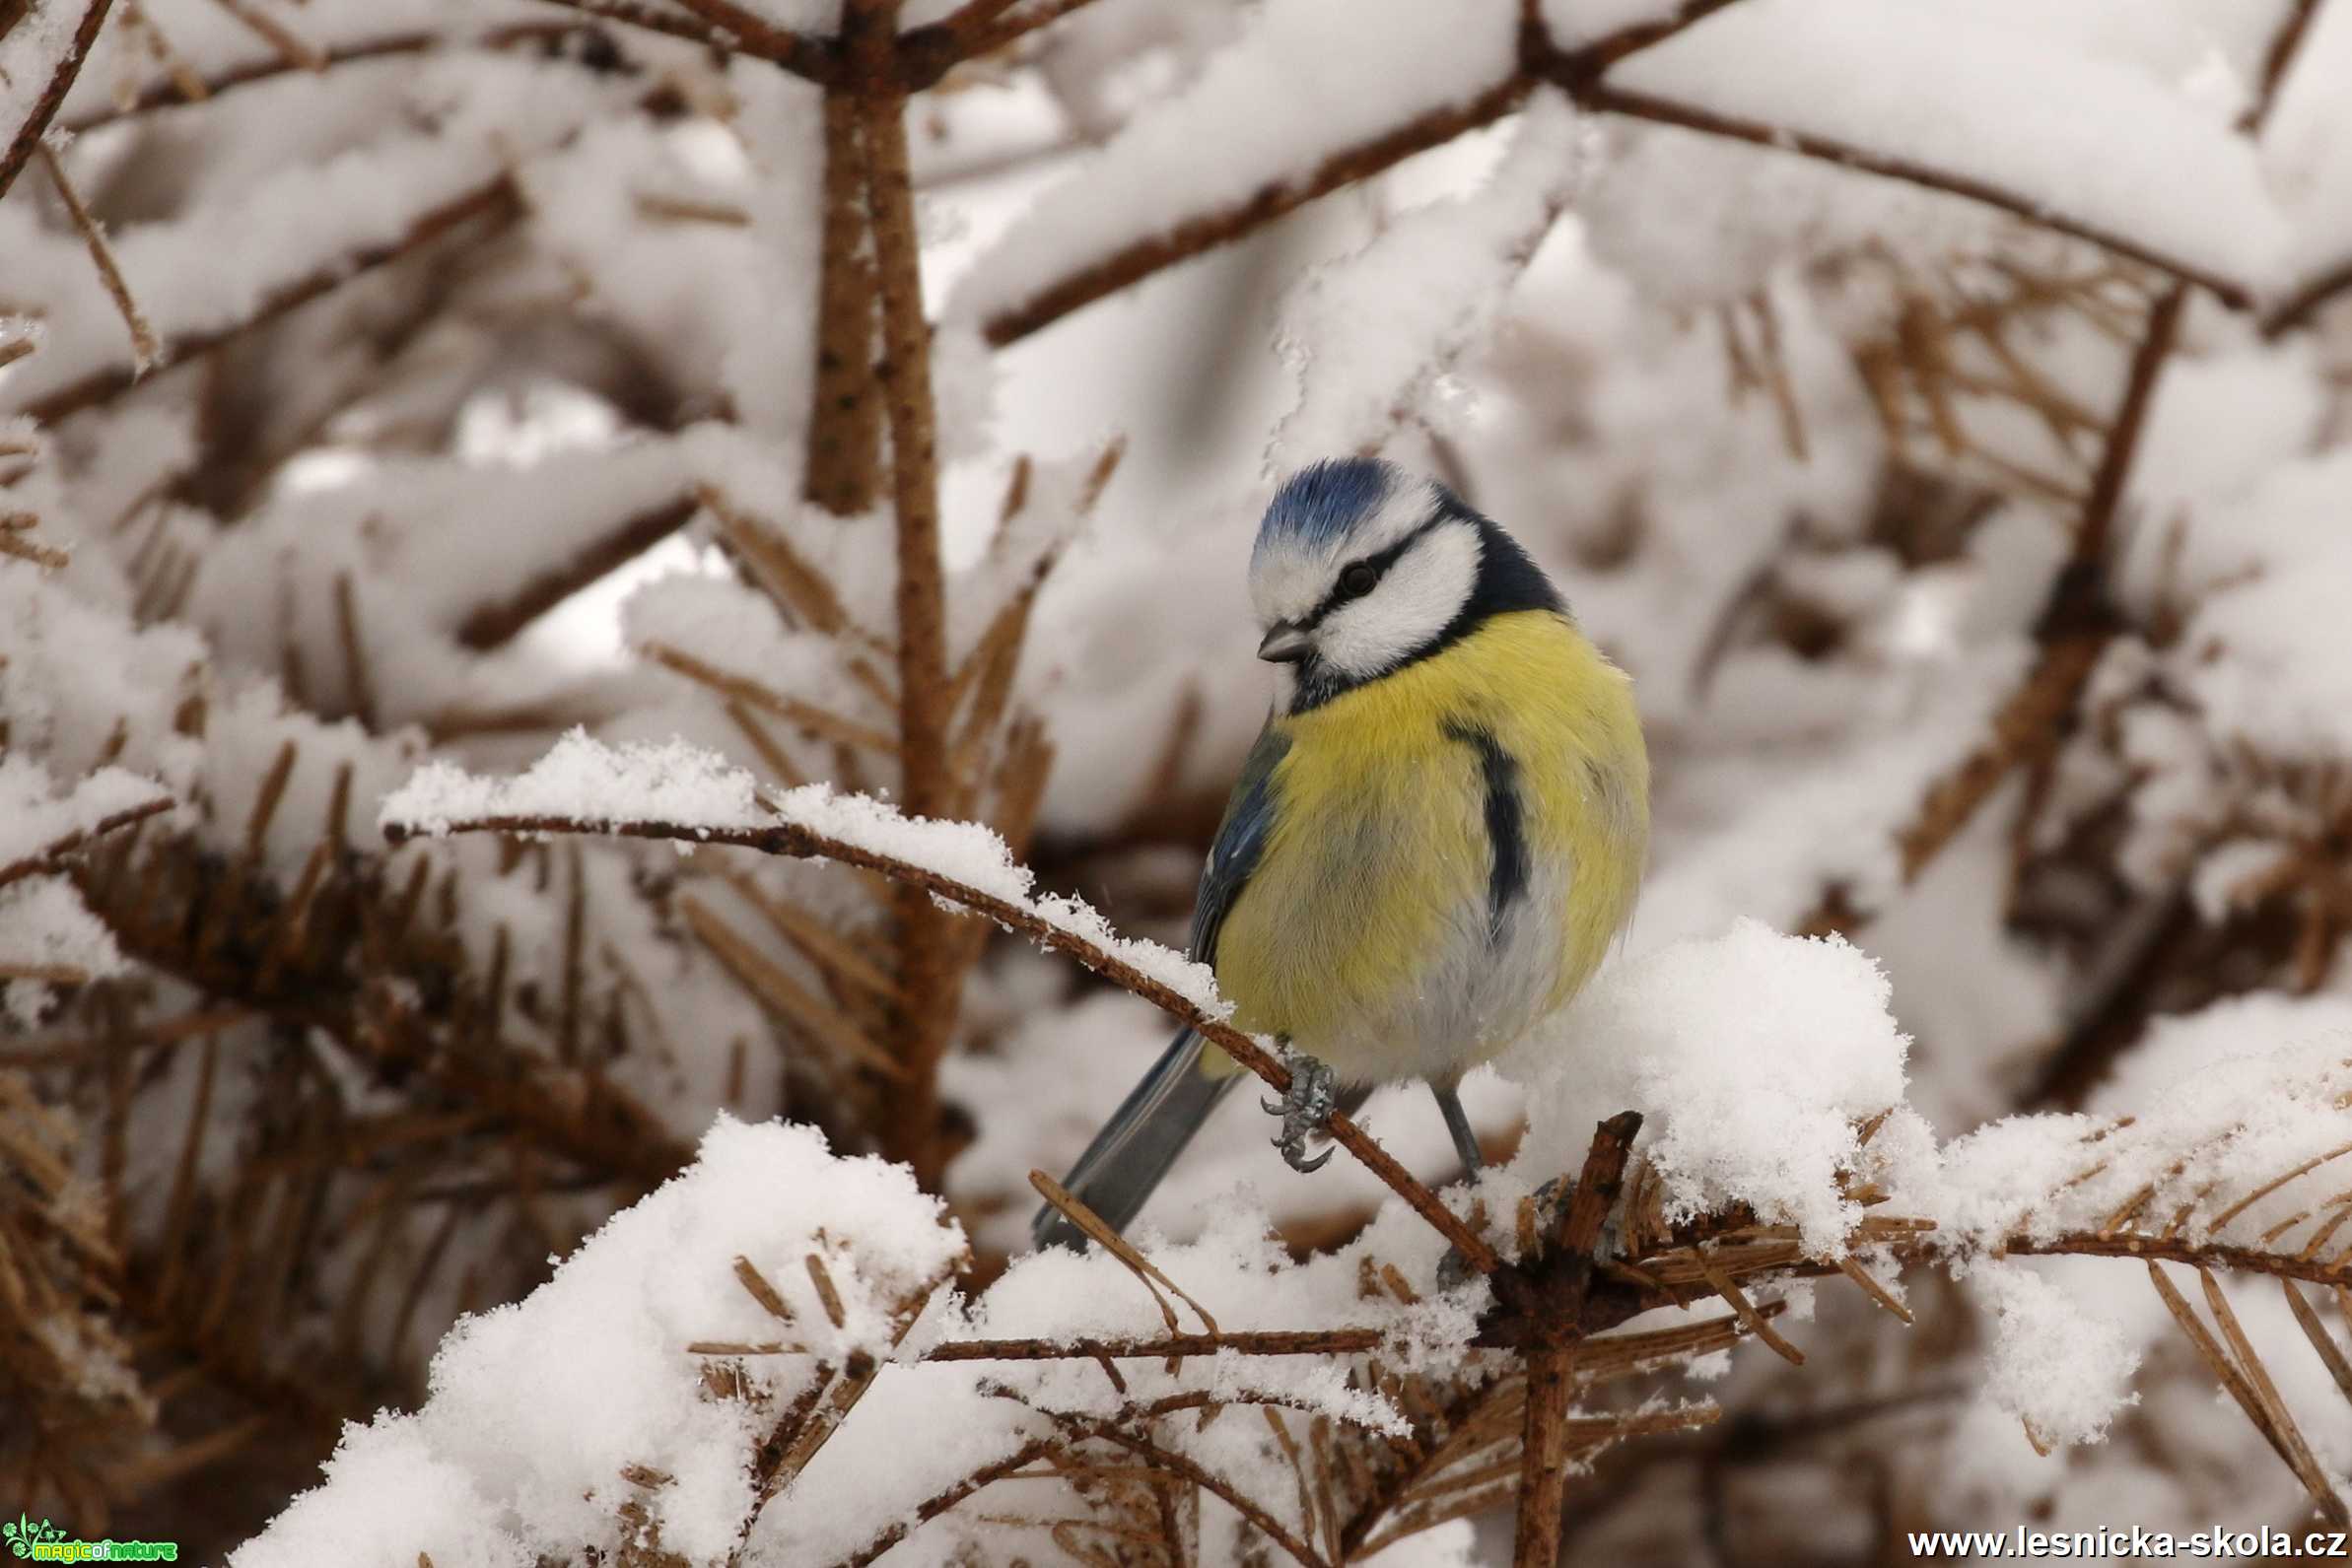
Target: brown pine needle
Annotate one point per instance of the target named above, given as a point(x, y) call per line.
point(14, 543)
point(826, 1294)
point(296, 50)
point(146, 348)
point(1731, 1293)
point(1870, 1287)
point(2274, 1184)
point(2201, 1339)
point(2331, 1353)
point(184, 79)
point(819, 722)
point(2281, 1420)
point(785, 996)
point(766, 1294)
point(1118, 1246)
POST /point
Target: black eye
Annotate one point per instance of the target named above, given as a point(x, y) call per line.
point(1358, 580)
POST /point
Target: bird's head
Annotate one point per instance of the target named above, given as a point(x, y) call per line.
point(1360, 568)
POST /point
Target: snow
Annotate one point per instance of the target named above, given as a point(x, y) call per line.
point(1304, 80)
point(33, 818)
point(2306, 154)
point(537, 1407)
point(1659, 357)
point(1753, 1056)
point(2265, 652)
point(1573, 24)
point(1987, 99)
point(2218, 1107)
point(43, 923)
point(36, 43)
point(388, 1491)
point(585, 781)
point(1352, 383)
point(2062, 1371)
point(1234, 1270)
point(304, 219)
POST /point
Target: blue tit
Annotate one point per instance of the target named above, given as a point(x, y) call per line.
point(1433, 842)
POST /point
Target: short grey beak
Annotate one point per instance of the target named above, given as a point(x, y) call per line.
point(1285, 643)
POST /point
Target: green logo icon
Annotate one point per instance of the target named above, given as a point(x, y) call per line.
point(23, 1535)
point(46, 1543)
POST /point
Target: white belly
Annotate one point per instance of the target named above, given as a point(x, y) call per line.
point(1475, 996)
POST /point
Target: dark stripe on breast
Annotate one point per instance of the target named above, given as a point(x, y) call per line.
point(1506, 828)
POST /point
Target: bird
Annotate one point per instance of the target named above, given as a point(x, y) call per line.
point(1437, 836)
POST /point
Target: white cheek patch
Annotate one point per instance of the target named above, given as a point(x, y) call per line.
point(1415, 600)
point(1288, 586)
point(1288, 582)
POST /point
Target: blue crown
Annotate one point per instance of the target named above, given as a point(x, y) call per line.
point(1323, 502)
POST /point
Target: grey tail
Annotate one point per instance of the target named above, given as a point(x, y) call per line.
point(1127, 1157)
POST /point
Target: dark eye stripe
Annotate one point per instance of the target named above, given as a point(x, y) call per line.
point(1379, 562)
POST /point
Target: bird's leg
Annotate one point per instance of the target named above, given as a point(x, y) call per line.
point(1453, 1269)
point(1457, 1123)
point(1305, 1109)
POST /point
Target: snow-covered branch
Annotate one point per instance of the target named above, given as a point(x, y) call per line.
point(1939, 412)
point(692, 798)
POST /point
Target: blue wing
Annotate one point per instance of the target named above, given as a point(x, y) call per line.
point(1136, 1147)
point(1240, 839)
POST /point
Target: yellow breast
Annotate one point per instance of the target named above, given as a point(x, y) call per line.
point(1377, 872)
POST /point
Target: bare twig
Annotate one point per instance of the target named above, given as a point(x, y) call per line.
point(1207, 1479)
point(145, 351)
point(27, 135)
point(1543, 1456)
point(933, 1507)
point(492, 624)
point(1847, 155)
point(653, 17)
point(1247, 1343)
point(297, 51)
point(54, 854)
point(792, 838)
point(182, 76)
point(493, 200)
point(792, 1002)
point(2078, 621)
point(845, 429)
point(1190, 237)
point(926, 971)
point(2241, 1373)
point(1540, 57)
point(179, 91)
point(1744, 1309)
point(2331, 1353)
point(1144, 1268)
point(812, 60)
point(2286, 42)
point(972, 30)
point(2302, 305)
point(2174, 1249)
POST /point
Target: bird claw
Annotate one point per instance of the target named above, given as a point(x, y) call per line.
point(1305, 1109)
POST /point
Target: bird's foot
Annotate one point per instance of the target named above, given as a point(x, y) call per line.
point(1305, 1109)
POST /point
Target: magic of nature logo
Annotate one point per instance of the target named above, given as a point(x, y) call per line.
point(42, 1542)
